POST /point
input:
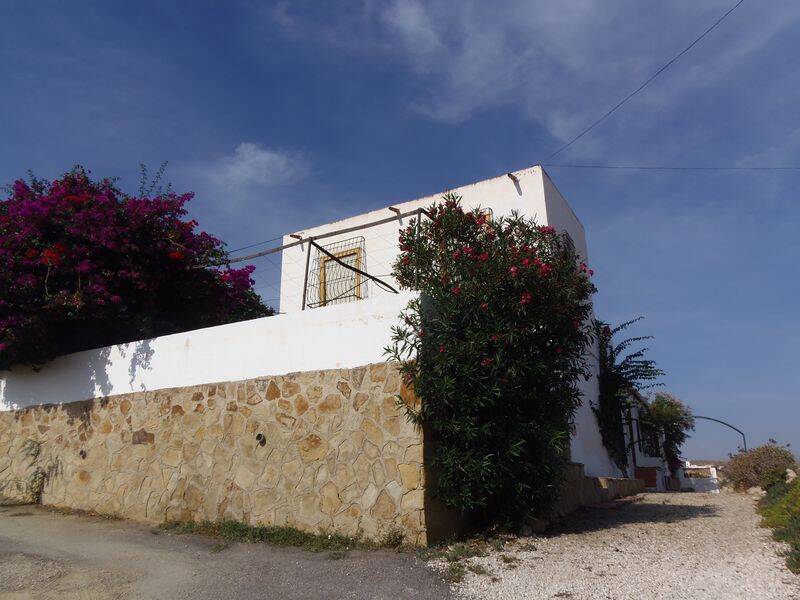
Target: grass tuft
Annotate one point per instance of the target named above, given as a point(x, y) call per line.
point(478, 569)
point(236, 531)
point(455, 573)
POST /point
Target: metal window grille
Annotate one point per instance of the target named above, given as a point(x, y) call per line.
point(330, 281)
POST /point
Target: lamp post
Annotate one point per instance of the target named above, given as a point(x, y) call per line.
point(744, 438)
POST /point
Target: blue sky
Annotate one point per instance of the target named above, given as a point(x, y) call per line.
point(284, 115)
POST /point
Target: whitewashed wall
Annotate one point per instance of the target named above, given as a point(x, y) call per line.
point(530, 192)
point(502, 194)
point(344, 336)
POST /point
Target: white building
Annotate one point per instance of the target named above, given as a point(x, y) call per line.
point(370, 242)
point(339, 329)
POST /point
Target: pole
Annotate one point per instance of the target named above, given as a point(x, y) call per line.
point(305, 279)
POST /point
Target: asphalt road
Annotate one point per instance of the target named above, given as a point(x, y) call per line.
point(47, 555)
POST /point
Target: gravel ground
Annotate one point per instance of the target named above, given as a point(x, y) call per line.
point(676, 546)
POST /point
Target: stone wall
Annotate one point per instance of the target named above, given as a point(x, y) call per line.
point(325, 450)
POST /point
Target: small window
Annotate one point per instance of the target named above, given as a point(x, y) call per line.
point(334, 277)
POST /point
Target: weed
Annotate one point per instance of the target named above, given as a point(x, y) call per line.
point(527, 547)
point(509, 559)
point(455, 573)
point(498, 544)
point(393, 538)
point(478, 569)
point(461, 551)
point(337, 554)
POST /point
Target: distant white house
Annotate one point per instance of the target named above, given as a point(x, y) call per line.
point(312, 281)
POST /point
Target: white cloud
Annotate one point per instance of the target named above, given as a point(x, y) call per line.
point(252, 165)
point(561, 64)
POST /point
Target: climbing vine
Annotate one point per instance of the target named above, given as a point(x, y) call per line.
point(619, 377)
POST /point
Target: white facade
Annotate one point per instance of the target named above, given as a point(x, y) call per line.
point(530, 192)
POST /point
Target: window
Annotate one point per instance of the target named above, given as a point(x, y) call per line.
point(333, 278)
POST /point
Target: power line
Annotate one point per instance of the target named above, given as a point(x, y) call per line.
point(646, 83)
point(256, 244)
point(669, 168)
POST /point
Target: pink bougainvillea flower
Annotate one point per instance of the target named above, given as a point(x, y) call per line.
point(112, 270)
point(441, 348)
point(486, 362)
point(456, 290)
point(547, 229)
point(485, 305)
point(525, 298)
point(513, 271)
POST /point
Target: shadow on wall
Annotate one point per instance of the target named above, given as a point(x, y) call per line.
point(89, 376)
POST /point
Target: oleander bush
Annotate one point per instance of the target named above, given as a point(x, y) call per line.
point(85, 265)
point(762, 466)
point(495, 349)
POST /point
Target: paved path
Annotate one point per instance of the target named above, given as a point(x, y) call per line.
point(665, 546)
point(46, 555)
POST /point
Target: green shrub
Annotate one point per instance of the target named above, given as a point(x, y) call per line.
point(781, 511)
point(762, 466)
point(494, 347)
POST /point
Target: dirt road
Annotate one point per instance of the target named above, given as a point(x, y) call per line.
point(46, 555)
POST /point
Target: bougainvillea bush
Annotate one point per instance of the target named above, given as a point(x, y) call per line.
point(85, 265)
point(494, 347)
